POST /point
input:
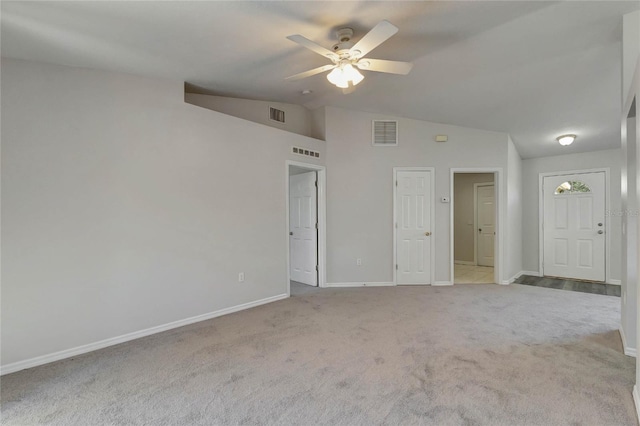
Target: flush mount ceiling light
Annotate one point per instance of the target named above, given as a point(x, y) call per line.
point(565, 140)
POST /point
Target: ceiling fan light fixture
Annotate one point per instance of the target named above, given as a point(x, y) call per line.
point(566, 140)
point(343, 75)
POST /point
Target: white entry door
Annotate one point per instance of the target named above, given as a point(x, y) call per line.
point(303, 231)
point(486, 224)
point(574, 226)
point(413, 233)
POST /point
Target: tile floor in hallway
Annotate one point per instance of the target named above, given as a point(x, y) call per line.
point(471, 274)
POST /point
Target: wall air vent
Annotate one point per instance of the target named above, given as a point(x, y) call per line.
point(307, 152)
point(385, 133)
point(276, 114)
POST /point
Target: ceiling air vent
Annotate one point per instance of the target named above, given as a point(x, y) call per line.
point(276, 114)
point(385, 133)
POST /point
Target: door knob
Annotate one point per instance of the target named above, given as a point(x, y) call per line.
point(600, 224)
point(601, 232)
point(427, 234)
point(290, 233)
point(479, 230)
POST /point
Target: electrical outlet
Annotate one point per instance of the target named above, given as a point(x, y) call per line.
point(241, 277)
point(359, 262)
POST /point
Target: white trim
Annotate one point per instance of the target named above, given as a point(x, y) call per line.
point(500, 199)
point(614, 282)
point(532, 273)
point(464, 262)
point(628, 351)
point(441, 283)
point(361, 284)
point(636, 400)
point(475, 218)
point(513, 278)
point(322, 220)
point(431, 170)
point(68, 353)
point(607, 222)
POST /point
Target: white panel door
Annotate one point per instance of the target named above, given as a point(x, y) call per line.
point(574, 226)
point(303, 231)
point(486, 222)
point(413, 233)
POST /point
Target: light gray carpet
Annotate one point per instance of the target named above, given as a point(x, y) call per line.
point(481, 354)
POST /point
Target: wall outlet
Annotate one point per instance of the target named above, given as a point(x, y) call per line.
point(359, 262)
point(241, 277)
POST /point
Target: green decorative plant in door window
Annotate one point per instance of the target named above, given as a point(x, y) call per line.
point(572, 187)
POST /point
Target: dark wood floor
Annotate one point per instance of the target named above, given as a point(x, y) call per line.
point(563, 284)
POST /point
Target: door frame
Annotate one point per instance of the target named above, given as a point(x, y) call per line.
point(432, 259)
point(322, 220)
point(499, 261)
point(475, 217)
point(607, 222)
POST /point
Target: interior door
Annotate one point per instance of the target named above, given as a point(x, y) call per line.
point(413, 223)
point(486, 224)
point(303, 228)
point(574, 226)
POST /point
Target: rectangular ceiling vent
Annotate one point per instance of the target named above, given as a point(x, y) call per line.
point(276, 114)
point(385, 133)
point(302, 151)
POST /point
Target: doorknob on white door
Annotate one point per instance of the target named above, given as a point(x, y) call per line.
point(290, 233)
point(601, 232)
point(428, 234)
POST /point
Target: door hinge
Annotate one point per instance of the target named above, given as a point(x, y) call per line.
point(316, 225)
point(396, 266)
point(316, 183)
point(316, 268)
point(396, 225)
point(396, 183)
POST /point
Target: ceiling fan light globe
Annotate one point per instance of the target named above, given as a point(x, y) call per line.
point(566, 140)
point(335, 77)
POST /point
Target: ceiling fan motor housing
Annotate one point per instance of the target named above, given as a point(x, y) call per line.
point(344, 41)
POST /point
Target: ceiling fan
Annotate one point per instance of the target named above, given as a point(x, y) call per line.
point(346, 56)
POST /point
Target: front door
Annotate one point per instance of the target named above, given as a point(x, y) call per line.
point(413, 233)
point(574, 226)
point(486, 222)
point(303, 228)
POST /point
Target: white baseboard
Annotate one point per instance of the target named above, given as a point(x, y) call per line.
point(513, 278)
point(464, 262)
point(627, 350)
point(441, 283)
point(68, 353)
point(361, 284)
point(636, 400)
point(532, 273)
point(614, 282)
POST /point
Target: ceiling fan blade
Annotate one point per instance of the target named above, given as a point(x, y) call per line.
point(374, 38)
point(312, 46)
point(381, 65)
point(311, 72)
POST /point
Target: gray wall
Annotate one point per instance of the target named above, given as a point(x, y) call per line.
point(359, 186)
point(297, 117)
point(125, 208)
point(531, 168)
point(464, 212)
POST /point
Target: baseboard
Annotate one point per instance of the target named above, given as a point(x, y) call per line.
point(614, 282)
point(68, 353)
point(627, 350)
point(513, 278)
point(361, 284)
point(441, 283)
point(532, 273)
point(464, 262)
point(636, 400)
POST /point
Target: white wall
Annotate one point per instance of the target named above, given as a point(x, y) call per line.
point(531, 168)
point(630, 49)
point(126, 208)
point(464, 212)
point(297, 117)
point(360, 191)
point(514, 212)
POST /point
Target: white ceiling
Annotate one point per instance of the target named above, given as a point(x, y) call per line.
point(533, 69)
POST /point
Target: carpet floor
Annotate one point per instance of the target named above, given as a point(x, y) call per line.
point(482, 354)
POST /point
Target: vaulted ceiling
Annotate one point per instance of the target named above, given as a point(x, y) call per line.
point(532, 69)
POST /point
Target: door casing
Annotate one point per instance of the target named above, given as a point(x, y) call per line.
point(475, 219)
point(432, 224)
point(322, 221)
point(607, 223)
point(499, 188)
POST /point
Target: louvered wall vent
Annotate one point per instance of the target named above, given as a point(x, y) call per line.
point(276, 114)
point(302, 151)
point(385, 133)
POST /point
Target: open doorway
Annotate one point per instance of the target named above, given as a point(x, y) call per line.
point(474, 228)
point(305, 227)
